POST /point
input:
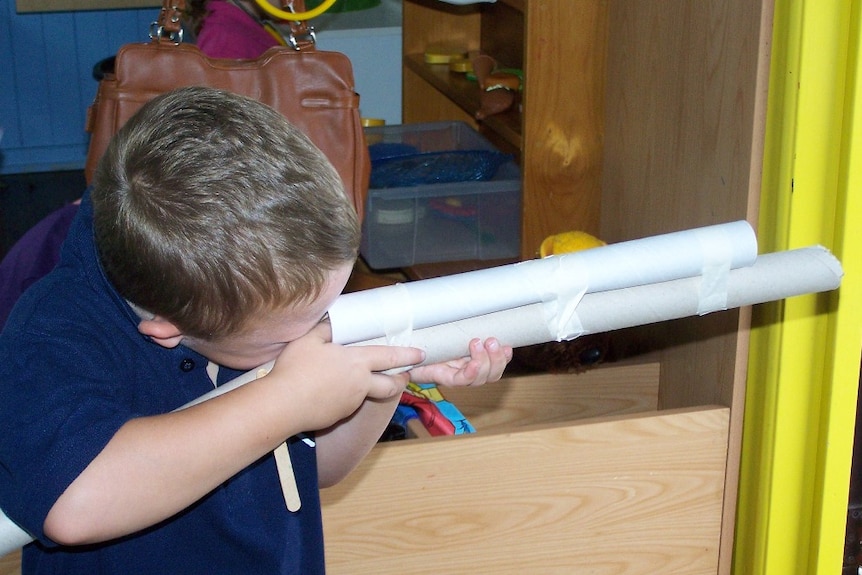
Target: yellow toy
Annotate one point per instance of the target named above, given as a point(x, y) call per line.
point(568, 242)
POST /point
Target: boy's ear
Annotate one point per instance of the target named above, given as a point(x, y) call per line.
point(161, 331)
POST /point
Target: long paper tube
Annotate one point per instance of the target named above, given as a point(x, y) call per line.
point(560, 281)
point(772, 277)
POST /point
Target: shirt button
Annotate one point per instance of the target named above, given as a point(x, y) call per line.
point(187, 365)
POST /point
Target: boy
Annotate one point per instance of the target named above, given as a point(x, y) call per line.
point(214, 239)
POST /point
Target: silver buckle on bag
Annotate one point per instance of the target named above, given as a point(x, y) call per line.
point(168, 25)
point(159, 31)
point(296, 41)
point(305, 37)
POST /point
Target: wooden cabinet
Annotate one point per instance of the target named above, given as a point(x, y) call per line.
point(556, 127)
point(567, 474)
point(10, 564)
point(637, 118)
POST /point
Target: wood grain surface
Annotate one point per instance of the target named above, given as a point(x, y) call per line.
point(625, 495)
point(11, 564)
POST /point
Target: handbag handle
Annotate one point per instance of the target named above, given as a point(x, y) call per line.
point(301, 34)
point(169, 25)
point(295, 9)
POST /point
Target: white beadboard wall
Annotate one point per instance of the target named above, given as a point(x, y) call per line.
point(46, 81)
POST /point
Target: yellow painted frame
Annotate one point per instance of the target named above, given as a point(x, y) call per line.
point(805, 352)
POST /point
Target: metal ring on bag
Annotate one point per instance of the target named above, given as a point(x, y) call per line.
point(158, 31)
point(294, 41)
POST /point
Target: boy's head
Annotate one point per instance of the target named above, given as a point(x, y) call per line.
point(211, 210)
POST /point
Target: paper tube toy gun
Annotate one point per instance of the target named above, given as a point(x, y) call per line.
point(557, 298)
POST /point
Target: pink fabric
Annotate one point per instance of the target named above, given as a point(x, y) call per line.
point(228, 32)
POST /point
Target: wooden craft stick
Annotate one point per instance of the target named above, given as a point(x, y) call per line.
point(286, 477)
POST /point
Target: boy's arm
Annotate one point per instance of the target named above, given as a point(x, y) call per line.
point(156, 466)
point(343, 446)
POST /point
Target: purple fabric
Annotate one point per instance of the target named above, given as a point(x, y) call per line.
point(228, 32)
point(33, 256)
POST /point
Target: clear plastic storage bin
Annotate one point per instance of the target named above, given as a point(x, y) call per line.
point(439, 192)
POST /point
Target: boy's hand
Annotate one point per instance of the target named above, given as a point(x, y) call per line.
point(331, 381)
point(486, 363)
point(343, 444)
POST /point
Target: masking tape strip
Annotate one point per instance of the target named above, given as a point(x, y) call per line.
point(562, 291)
point(568, 322)
point(398, 316)
point(717, 260)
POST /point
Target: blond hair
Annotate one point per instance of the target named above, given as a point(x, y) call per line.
point(211, 209)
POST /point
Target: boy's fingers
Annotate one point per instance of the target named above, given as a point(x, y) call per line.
point(500, 355)
point(385, 358)
point(385, 386)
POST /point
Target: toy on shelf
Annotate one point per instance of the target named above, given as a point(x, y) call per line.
point(438, 416)
point(498, 87)
point(568, 242)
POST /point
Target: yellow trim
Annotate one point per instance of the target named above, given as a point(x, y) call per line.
point(294, 16)
point(805, 352)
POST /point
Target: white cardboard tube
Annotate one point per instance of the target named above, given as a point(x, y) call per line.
point(394, 310)
point(772, 277)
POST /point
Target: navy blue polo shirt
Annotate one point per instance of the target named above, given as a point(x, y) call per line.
point(73, 370)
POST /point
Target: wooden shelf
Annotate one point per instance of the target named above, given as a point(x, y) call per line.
point(465, 93)
point(555, 128)
point(519, 5)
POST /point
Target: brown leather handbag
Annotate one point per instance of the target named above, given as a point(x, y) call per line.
point(313, 89)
